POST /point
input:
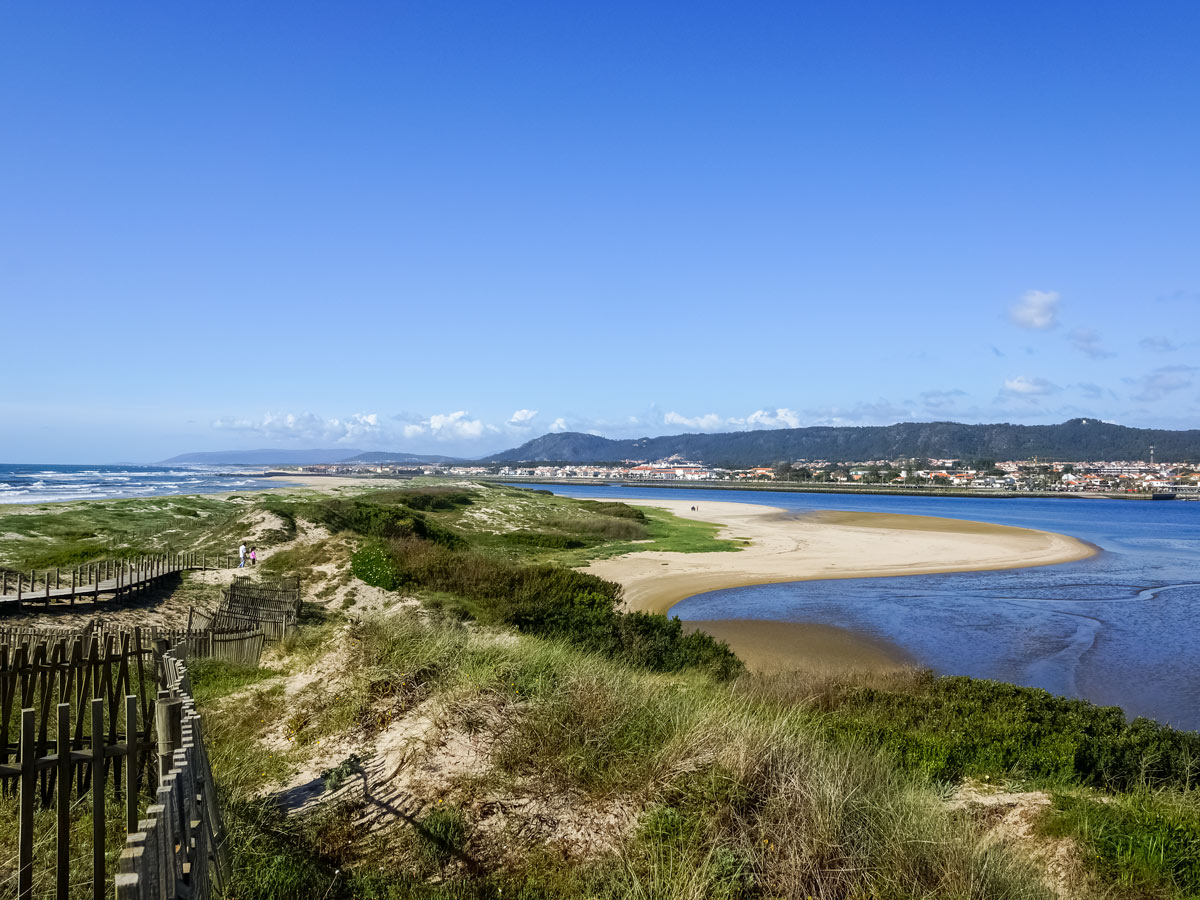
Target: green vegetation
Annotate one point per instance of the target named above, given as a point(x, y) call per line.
point(1148, 841)
point(950, 728)
point(1075, 439)
point(69, 534)
point(663, 768)
point(728, 797)
point(215, 678)
point(545, 600)
point(45, 825)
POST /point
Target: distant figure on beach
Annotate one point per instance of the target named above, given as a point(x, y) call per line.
point(254, 556)
point(242, 555)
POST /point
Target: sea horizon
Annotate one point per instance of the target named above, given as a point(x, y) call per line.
point(32, 483)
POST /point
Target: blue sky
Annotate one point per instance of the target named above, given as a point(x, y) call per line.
point(452, 227)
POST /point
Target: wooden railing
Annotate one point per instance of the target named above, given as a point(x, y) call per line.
point(110, 578)
point(180, 845)
point(109, 688)
point(243, 646)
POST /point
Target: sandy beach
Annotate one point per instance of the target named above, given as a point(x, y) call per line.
point(789, 546)
point(331, 483)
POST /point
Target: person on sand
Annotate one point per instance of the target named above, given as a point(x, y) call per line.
point(254, 556)
point(242, 555)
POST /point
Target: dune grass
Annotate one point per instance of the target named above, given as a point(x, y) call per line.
point(733, 797)
point(736, 786)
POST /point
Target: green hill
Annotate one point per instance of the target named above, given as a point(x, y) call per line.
point(1076, 440)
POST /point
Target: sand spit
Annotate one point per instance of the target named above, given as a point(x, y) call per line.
point(790, 546)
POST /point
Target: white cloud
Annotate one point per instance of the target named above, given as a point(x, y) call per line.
point(1025, 388)
point(454, 426)
point(558, 425)
point(522, 418)
point(1161, 382)
point(306, 426)
point(1087, 341)
point(760, 418)
point(1036, 310)
point(779, 418)
point(707, 422)
point(881, 412)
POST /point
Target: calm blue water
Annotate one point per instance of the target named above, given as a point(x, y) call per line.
point(43, 484)
point(1121, 628)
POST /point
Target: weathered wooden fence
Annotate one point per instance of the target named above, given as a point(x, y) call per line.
point(273, 607)
point(243, 646)
point(100, 692)
point(97, 691)
point(180, 844)
point(109, 578)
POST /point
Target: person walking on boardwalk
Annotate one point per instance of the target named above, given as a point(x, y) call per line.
point(242, 555)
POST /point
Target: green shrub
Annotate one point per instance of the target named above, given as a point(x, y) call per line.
point(543, 540)
point(1146, 841)
point(613, 529)
point(546, 600)
point(373, 564)
point(430, 500)
point(956, 726)
point(443, 832)
point(375, 520)
point(616, 510)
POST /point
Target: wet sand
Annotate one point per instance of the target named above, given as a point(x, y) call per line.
point(769, 647)
point(787, 546)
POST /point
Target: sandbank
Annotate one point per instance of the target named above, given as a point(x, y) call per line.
point(331, 482)
point(771, 646)
point(789, 546)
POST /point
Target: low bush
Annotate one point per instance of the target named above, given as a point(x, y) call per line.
point(543, 540)
point(373, 564)
point(617, 510)
point(546, 600)
point(380, 521)
point(951, 727)
point(1149, 841)
point(426, 500)
point(607, 528)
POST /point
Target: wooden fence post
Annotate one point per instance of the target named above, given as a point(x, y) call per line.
point(63, 867)
point(18, 590)
point(131, 763)
point(98, 879)
point(27, 799)
point(168, 720)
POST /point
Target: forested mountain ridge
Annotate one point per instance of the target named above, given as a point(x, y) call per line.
point(1077, 440)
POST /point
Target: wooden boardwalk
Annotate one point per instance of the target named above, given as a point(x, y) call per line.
point(111, 579)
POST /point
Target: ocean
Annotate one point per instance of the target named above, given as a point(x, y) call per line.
point(39, 483)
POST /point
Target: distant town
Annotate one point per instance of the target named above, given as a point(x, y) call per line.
point(1106, 477)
